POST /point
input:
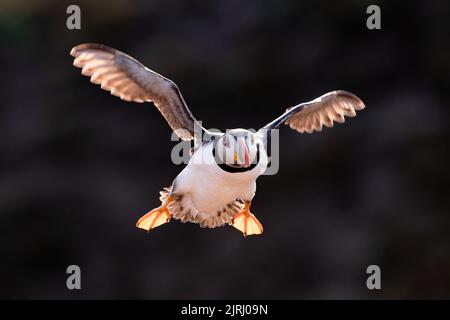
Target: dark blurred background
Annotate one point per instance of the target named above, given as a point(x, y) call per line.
point(79, 166)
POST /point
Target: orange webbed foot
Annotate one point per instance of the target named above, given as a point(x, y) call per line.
point(155, 218)
point(246, 222)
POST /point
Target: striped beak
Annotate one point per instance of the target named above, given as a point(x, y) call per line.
point(242, 155)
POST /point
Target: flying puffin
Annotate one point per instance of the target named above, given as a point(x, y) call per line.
point(219, 182)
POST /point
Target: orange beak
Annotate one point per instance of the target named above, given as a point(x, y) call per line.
point(245, 153)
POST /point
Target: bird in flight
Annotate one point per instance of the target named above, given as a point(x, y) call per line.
point(219, 182)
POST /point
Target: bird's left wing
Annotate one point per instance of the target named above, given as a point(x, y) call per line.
point(323, 111)
point(130, 80)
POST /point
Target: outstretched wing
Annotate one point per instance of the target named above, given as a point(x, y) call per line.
point(323, 111)
point(130, 80)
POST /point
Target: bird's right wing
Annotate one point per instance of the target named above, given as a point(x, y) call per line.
point(323, 111)
point(130, 80)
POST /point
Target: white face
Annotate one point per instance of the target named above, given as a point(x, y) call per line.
point(237, 148)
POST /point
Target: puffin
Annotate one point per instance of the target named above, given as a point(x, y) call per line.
point(217, 186)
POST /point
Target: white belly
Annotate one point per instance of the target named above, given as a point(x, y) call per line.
point(210, 193)
point(207, 188)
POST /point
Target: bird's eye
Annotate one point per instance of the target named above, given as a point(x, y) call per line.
point(226, 142)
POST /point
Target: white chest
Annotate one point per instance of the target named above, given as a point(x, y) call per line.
point(208, 188)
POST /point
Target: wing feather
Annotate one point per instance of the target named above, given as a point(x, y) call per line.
point(128, 79)
point(323, 111)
